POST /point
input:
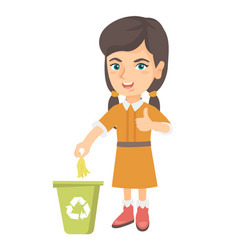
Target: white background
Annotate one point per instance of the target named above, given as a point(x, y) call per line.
point(53, 89)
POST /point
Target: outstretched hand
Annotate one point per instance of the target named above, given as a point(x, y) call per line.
point(144, 123)
point(82, 146)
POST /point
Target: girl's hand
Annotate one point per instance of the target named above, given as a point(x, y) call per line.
point(144, 123)
point(83, 145)
point(88, 141)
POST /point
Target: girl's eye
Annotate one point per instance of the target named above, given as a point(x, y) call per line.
point(115, 66)
point(141, 66)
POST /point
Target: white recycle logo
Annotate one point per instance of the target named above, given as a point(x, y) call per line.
point(84, 213)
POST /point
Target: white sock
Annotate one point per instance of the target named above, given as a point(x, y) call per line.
point(143, 204)
point(127, 203)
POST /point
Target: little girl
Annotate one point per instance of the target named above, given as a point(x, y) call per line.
point(136, 60)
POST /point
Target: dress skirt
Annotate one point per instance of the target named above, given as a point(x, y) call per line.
point(134, 168)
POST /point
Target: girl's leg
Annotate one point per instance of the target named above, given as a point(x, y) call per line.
point(142, 194)
point(142, 216)
point(127, 194)
point(127, 216)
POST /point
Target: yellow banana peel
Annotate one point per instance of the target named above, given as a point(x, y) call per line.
point(82, 170)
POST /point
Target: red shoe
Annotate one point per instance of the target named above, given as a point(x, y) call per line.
point(125, 218)
point(142, 218)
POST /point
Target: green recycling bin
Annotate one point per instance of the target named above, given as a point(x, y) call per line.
point(78, 204)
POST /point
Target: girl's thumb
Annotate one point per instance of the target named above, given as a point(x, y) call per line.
point(146, 112)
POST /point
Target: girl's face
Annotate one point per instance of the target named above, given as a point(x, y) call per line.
point(132, 72)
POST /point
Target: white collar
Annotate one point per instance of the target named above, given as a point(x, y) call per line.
point(135, 105)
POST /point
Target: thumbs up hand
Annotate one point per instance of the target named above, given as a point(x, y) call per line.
point(144, 123)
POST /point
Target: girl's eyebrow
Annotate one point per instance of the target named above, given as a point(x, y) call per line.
point(141, 59)
point(115, 58)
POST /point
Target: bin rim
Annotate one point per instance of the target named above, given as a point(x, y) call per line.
point(76, 183)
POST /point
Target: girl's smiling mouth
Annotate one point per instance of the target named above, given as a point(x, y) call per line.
point(128, 85)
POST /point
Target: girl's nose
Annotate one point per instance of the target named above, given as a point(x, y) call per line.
point(124, 73)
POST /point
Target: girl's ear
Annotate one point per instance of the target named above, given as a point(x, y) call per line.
point(159, 69)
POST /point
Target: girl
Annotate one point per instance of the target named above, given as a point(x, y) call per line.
point(136, 60)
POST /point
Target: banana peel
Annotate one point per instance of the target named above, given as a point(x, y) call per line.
point(82, 170)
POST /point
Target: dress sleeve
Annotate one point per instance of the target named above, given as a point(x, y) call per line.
point(108, 121)
point(156, 116)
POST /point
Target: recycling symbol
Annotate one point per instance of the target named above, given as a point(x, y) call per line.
point(80, 207)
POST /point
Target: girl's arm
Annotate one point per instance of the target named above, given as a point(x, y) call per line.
point(160, 126)
point(146, 124)
point(88, 141)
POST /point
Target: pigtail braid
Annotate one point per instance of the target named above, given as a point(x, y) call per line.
point(112, 102)
point(154, 101)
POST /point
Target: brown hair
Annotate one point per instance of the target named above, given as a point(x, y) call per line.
point(127, 34)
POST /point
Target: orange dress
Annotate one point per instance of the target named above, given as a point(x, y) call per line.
point(134, 166)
